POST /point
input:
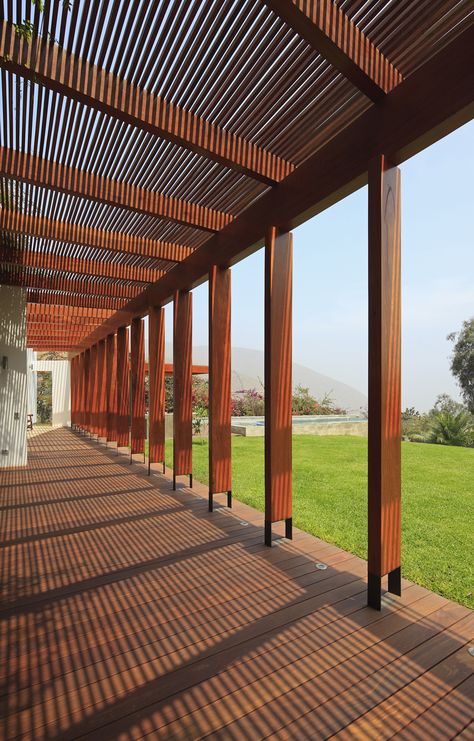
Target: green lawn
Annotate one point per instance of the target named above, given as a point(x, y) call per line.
point(330, 501)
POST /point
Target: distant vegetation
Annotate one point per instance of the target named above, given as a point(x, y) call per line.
point(447, 423)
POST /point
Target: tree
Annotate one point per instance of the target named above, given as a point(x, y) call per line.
point(462, 361)
point(452, 429)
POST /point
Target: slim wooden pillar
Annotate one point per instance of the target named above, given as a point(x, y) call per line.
point(101, 391)
point(278, 381)
point(123, 391)
point(86, 393)
point(137, 367)
point(182, 386)
point(72, 375)
point(93, 391)
point(384, 467)
point(156, 386)
point(111, 387)
point(220, 454)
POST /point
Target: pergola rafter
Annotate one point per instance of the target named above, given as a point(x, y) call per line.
point(71, 181)
point(79, 234)
point(330, 32)
point(51, 66)
point(66, 299)
point(30, 278)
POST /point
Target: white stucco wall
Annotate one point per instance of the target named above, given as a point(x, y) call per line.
point(13, 378)
point(61, 381)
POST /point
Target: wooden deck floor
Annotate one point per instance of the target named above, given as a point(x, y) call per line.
point(130, 611)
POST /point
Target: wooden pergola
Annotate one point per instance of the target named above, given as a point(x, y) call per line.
point(146, 147)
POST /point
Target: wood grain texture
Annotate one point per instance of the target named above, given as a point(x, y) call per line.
point(123, 389)
point(102, 389)
point(93, 390)
point(86, 414)
point(156, 384)
point(220, 453)
point(137, 370)
point(278, 375)
point(182, 383)
point(384, 367)
point(111, 385)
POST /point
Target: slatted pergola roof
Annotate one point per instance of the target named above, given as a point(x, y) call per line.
point(142, 142)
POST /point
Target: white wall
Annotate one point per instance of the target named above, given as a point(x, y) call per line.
point(61, 380)
point(13, 380)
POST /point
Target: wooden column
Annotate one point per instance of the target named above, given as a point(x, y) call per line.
point(384, 468)
point(93, 390)
point(182, 386)
point(278, 381)
point(73, 391)
point(156, 386)
point(220, 454)
point(86, 395)
point(81, 390)
point(111, 384)
point(137, 367)
point(123, 391)
point(101, 391)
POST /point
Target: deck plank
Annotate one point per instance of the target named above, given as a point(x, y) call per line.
point(129, 610)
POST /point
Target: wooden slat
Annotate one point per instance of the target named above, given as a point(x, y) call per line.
point(220, 454)
point(137, 369)
point(329, 31)
point(111, 392)
point(68, 264)
point(123, 389)
point(156, 384)
point(384, 461)
point(40, 226)
point(71, 181)
point(72, 300)
point(406, 123)
point(278, 379)
point(77, 79)
point(182, 384)
point(66, 312)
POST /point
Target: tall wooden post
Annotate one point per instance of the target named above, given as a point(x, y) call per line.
point(87, 397)
point(101, 390)
point(81, 391)
point(156, 386)
point(384, 467)
point(93, 390)
point(137, 367)
point(111, 387)
point(220, 454)
point(123, 391)
point(182, 386)
point(278, 381)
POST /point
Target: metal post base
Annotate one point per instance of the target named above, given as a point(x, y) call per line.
point(374, 587)
point(229, 499)
point(268, 533)
point(211, 502)
point(289, 528)
point(184, 474)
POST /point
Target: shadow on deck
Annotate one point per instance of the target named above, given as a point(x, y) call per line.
point(129, 610)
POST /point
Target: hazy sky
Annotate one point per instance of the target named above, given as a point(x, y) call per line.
point(330, 278)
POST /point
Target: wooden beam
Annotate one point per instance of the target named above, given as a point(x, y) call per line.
point(220, 453)
point(123, 389)
point(384, 462)
point(182, 386)
point(68, 180)
point(278, 381)
point(50, 65)
point(72, 300)
point(17, 276)
point(156, 385)
point(137, 368)
point(404, 124)
point(67, 312)
point(60, 231)
point(111, 383)
point(330, 32)
point(64, 263)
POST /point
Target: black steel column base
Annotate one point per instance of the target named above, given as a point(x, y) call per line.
point(174, 482)
point(395, 581)
point(211, 502)
point(289, 528)
point(229, 499)
point(190, 481)
point(268, 533)
point(374, 591)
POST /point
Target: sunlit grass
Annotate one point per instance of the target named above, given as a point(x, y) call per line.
point(330, 501)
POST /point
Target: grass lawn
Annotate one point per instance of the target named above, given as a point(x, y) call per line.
point(330, 501)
